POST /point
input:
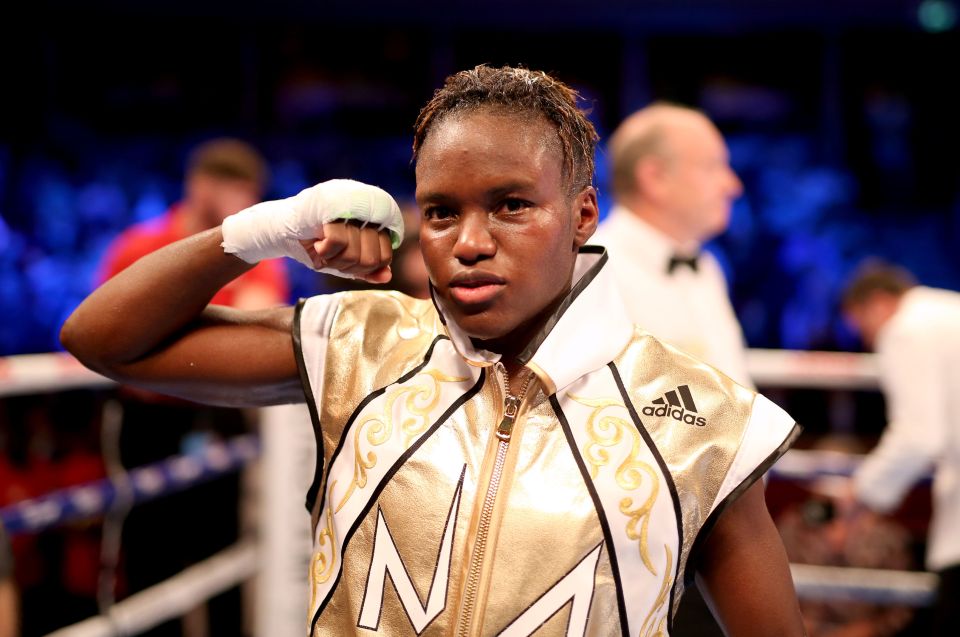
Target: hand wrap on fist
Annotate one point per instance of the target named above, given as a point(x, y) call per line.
point(281, 228)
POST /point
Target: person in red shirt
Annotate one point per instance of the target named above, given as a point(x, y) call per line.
point(223, 176)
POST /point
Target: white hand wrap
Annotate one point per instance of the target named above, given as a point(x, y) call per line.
point(275, 228)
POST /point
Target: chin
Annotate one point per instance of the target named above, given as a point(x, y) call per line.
point(485, 325)
point(478, 326)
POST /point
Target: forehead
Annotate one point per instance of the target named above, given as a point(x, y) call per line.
point(696, 137)
point(222, 182)
point(485, 145)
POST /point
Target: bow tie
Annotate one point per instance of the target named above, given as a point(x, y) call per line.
point(677, 260)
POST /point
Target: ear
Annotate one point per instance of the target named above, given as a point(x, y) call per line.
point(648, 176)
point(586, 215)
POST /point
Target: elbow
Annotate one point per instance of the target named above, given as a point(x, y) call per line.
point(81, 341)
point(69, 336)
point(73, 340)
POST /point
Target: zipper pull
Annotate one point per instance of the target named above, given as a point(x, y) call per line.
point(511, 405)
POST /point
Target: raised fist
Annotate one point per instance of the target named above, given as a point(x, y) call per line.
point(343, 227)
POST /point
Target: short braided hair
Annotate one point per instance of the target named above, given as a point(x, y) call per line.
point(521, 92)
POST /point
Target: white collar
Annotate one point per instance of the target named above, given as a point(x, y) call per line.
point(637, 240)
point(588, 330)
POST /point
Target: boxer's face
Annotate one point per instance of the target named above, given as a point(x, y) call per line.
point(500, 231)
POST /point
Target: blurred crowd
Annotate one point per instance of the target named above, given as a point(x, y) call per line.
point(794, 235)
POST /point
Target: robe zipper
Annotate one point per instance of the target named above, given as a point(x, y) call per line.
point(511, 407)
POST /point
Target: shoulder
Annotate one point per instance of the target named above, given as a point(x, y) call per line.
point(922, 307)
point(654, 363)
point(925, 317)
point(369, 314)
point(692, 409)
point(354, 342)
point(711, 267)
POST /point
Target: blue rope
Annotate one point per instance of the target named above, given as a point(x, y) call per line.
point(149, 482)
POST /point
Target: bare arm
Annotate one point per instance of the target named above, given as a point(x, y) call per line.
point(744, 573)
point(9, 609)
point(9, 602)
point(151, 326)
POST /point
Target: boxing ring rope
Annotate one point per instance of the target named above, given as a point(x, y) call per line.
point(794, 369)
point(43, 373)
point(173, 597)
point(872, 585)
point(39, 373)
point(287, 459)
point(148, 482)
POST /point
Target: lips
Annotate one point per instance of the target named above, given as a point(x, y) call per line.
point(474, 287)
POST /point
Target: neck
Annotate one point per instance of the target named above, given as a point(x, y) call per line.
point(663, 222)
point(516, 377)
point(511, 345)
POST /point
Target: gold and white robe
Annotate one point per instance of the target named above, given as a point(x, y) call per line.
point(586, 521)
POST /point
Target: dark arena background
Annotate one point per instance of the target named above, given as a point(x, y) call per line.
point(842, 120)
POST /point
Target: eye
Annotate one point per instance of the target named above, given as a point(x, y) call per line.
point(438, 213)
point(515, 205)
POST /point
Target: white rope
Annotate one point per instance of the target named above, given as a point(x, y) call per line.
point(826, 370)
point(173, 597)
point(799, 464)
point(877, 586)
point(41, 373)
point(177, 595)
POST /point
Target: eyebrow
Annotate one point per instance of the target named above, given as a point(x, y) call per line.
point(492, 193)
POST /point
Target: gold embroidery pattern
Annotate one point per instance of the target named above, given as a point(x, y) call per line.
point(605, 432)
point(321, 565)
point(419, 401)
point(410, 323)
point(652, 627)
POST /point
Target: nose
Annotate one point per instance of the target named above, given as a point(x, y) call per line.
point(474, 240)
point(735, 187)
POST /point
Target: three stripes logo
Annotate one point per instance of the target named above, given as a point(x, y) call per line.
point(679, 405)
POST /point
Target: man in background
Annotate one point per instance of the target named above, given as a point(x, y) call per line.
point(674, 188)
point(223, 176)
point(915, 332)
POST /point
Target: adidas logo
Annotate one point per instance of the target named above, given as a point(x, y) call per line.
point(679, 405)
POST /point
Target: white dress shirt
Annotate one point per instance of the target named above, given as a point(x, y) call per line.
point(918, 351)
point(689, 309)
